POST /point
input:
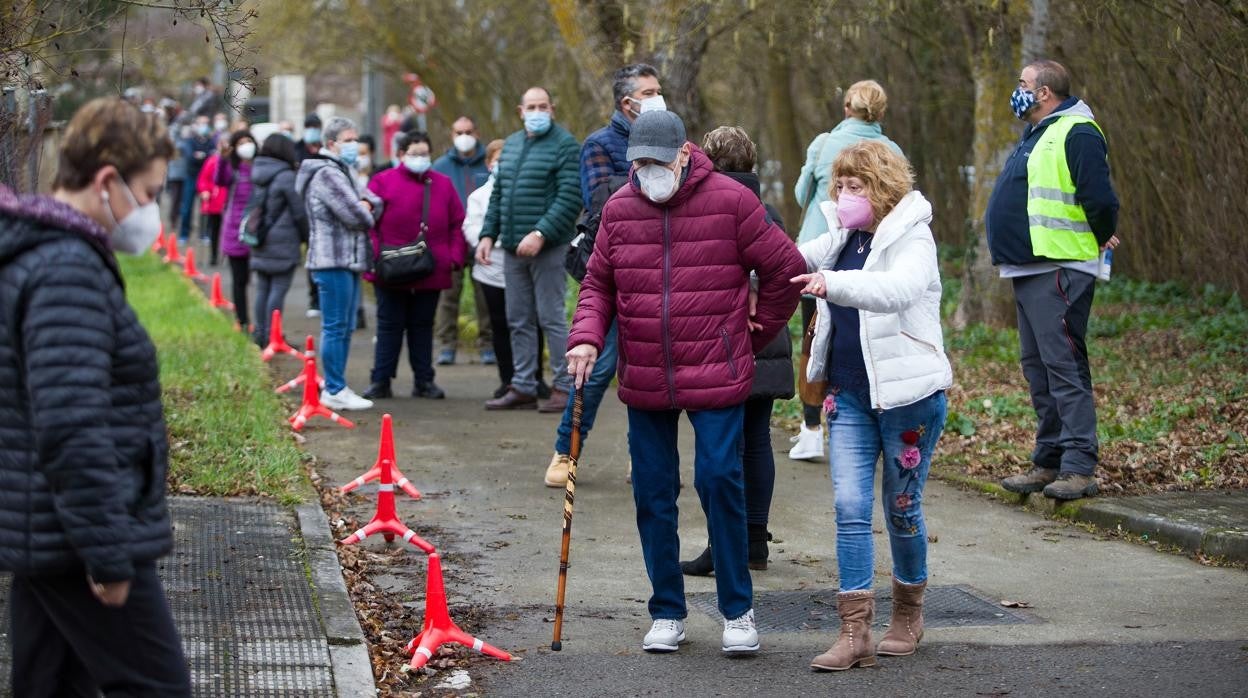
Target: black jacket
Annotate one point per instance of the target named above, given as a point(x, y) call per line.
point(83, 450)
point(773, 366)
point(284, 213)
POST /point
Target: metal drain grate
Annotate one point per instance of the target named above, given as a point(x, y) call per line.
point(793, 611)
point(241, 600)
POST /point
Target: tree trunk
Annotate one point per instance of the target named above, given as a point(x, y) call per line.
point(782, 131)
point(994, 31)
point(676, 37)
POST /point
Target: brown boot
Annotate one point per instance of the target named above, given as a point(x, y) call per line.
point(853, 647)
point(906, 628)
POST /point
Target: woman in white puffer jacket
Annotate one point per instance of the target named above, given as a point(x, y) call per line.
point(879, 346)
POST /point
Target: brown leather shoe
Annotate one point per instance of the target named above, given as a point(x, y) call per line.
point(557, 403)
point(906, 627)
point(1033, 480)
point(853, 647)
point(512, 400)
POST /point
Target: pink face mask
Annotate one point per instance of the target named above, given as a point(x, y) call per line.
point(854, 211)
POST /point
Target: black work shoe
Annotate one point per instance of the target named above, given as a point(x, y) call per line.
point(701, 566)
point(428, 390)
point(1071, 486)
point(1033, 480)
point(501, 390)
point(543, 390)
point(758, 537)
point(378, 391)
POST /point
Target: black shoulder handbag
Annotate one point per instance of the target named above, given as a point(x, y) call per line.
point(406, 264)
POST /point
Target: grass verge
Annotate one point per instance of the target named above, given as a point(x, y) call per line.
point(227, 434)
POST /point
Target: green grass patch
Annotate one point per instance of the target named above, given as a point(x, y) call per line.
point(227, 431)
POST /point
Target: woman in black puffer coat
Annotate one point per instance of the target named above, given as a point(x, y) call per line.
point(83, 450)
point(734, 154)
point(286, 225)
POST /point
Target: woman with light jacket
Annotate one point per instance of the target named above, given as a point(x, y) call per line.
point(865, 103)
point(879, 346)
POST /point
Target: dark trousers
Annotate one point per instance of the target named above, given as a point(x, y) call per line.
point(174, 187)
point(270, 295)
point(718, 480)
point(240, 273)
point(758, 461)
point(66, 643)
point(314, 297)
point(496, 302)
point(189, 196)
point(812, 415)
point(399, 311)
point(212, 224)
point(1053, 311)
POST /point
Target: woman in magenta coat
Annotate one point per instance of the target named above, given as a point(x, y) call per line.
point(411, 307)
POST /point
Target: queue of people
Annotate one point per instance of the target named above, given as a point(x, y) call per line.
point(688, 287)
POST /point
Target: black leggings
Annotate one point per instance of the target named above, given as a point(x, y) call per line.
point(496, 303)
point(811, 414)
point(212, 224)
point(240, 274)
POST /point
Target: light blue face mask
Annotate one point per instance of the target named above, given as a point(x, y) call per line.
point(349, 153)
point(312, 135)
point(537, 122)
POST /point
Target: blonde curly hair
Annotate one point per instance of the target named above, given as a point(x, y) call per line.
point(887, 176)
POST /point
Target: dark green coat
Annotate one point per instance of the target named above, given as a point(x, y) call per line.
point(537, 187)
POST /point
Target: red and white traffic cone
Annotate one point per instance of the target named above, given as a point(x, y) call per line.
point(159, 245)
point(385, 454)
point(216, 298)
point(277, 342)
point(386, 520)
point(298, 380)
point(171, 249)
point(188, 266)
point(438, 628)
point(312, 406)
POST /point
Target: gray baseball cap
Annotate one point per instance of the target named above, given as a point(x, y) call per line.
point(657, 135)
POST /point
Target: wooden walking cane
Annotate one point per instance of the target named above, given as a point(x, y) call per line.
point(569, 495)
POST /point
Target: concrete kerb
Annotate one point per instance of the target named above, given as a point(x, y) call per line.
point(348, 653)
point(1107, 514)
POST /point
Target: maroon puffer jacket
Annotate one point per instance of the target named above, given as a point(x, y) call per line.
point(677, 276)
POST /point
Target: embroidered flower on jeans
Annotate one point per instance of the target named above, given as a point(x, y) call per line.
point(829, 404)
point(904, 501)
point(910, 437)
point(910, 457)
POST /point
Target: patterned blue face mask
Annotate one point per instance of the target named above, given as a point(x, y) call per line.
point(1021, 101)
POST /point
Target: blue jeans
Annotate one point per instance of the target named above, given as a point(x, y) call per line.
point(189, 196)
point(857, 435)
point(339, 291)
point(400, 310)
point(718, 480)
point(592, 393)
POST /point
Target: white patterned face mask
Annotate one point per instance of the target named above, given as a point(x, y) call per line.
point(658, 182)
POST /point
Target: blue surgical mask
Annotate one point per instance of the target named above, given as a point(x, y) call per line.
point(203, 129)
point(1022, 101)
point(537, 122)
point(312, 135)
point(349, 153)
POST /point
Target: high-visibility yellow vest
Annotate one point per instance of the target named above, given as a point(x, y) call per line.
point(1059, 227)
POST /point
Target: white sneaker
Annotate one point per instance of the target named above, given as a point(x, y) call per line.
point(312, 312)
point(740, 635)
point(665, 636)
point(809, 444)
point(344, 399)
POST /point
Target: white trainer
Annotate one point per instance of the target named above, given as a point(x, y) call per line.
point(665, 636)
point(344, 399)
point(312, 312)
point(740, 635)
point(809, 444)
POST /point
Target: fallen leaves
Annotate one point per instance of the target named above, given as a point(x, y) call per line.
point(1016, 604)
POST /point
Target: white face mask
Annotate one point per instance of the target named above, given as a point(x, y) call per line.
point(138, 230)
point(247, 151)
point(655, 103)
point(657, 182)
point(464, 142)
point(220, 125)
point(417, 164)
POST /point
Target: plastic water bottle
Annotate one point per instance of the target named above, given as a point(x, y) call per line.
point(1106, 264)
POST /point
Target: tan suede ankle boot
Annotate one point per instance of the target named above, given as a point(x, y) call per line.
point(853, 647)
point(906, 628)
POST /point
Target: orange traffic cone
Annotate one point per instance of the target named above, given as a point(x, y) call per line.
point(385, 454)
point(171, 249)
point(277, 342)
point(386, 520)
point(160, 240)
point(312, 406)
point(438, 628)
point(217, 299)
point(188, 266)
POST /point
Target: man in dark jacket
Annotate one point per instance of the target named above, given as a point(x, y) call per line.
point(464, 164)
point(194, 150)
point(635, 89)
point(532, 215)
point(671, 264)
point(1052, 214)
